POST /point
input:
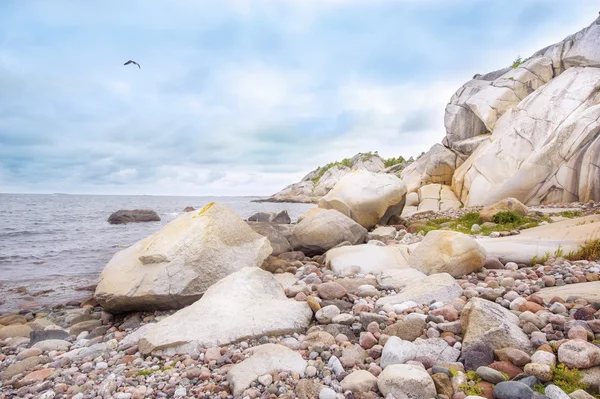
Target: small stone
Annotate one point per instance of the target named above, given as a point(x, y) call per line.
point(512, 390)
point(542, 372)
point(327, 393)
point(554, 392)
point(359, 381)
point(490, 375)
point(579, 354)
point(397, 351)
point(313, 303)
point(266, 379)
point(325, 315)
point(331, 290)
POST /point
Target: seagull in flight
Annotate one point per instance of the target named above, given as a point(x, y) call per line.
point(132, 62)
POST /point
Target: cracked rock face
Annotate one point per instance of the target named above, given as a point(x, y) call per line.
point(544, 151)
point(175, 266)
point(436, 166)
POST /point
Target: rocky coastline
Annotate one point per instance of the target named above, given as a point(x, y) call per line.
point(445, 277)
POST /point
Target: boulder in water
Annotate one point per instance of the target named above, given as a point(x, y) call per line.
point(133, 216)
point(175, 266)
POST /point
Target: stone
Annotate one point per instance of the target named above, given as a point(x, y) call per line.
point(542, 372)
point(397, 351)
point(448, 252)
point(490, 375)
point(579, 354)
point(50, 345)
point(399, 278)
point(199, 248)
point(436, 166)
point(512, 390)
point(407, 330)
point(443, 385)
point(359, 382)
point(319, 232)
point(281, 217)
point(554, 392)
point(326, 314)
point(307, 389)
point(382, 233)
point(38, 336)
point(588, 291)
point(434, 351)
point(513, 355)
point(331, 290)
point(19, 367)
point(368, 198)
point(477, 355)
point(366, 259)
point(84, 326)
point(505, 205)
point(279, 242)
point(405, 381)
point(485, 321)
point(543, 357)
point(247, 303)
point(327, 393)
point(15, 330)
point(133, 216)
point(580, 394)
point(264, 359)
point(435, 288)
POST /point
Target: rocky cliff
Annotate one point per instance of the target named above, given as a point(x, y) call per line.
point(529, 131)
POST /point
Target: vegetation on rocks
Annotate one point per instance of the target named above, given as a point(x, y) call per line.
point(569, 380)
point(588, 251)
point(518, 61)
point(504, 221)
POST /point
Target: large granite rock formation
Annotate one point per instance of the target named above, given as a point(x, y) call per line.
point(368, 198)
point(175, 266)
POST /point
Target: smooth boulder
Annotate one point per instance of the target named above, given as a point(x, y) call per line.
point(281, 217)
point(506, 205)
point(448, 252)
point(278, 241)
point(366, 259)
point(366, 197)
point(133, 216)
point(246, 304)
point(405, 381)
point(437, 287)
point(264, 359)
point(321, 231)
point(175, 266)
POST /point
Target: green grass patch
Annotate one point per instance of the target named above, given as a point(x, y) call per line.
point(394, 161)
point(539, 388)
point(464, 224)
point(590, 250)
point(507, 217)
point(570, 214)
point(146, 372)
point(569, 380)
point(347, 162)
point(470, 390)
point(518, 61)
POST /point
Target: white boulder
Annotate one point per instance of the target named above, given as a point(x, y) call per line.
point(175, 266)
point(245, 304)
point(366, 259)
point(366, 197)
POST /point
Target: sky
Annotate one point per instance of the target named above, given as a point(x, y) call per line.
point(240, 97)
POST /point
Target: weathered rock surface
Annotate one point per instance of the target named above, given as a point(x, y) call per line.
point(175, 266)
point(321, 231)
point(281, 217)
point(589, 291)
point(487, 322)
point(436, 166)
point(264, 359)
point(278, 241)
point(448, 252)
point(566, 236)
point(245, 304)
point(505, 205)
point(437, 287)
point(366, 197)
point(366, 259)
point(405, 381)
point(133, 216)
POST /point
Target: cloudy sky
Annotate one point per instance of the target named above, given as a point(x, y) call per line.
point(240, 97)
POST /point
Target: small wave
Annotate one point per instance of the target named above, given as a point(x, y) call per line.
point(171, 214)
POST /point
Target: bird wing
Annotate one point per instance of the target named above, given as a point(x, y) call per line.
point(128, 62)
point(138, 65)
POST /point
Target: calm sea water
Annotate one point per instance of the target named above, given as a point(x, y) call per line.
point(59, 242)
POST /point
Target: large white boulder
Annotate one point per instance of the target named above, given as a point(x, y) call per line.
point(321, 231)
point(437, 287)
point(175, 266)
point(368, 198)
point(264, 359)
point(366, 259)
point(448, 252)
point(544, 150)
point(437, 197)
point(246, 304)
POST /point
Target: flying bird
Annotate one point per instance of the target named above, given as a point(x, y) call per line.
point(132, 62)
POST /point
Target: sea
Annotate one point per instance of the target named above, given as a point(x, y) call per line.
point(54, 246)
